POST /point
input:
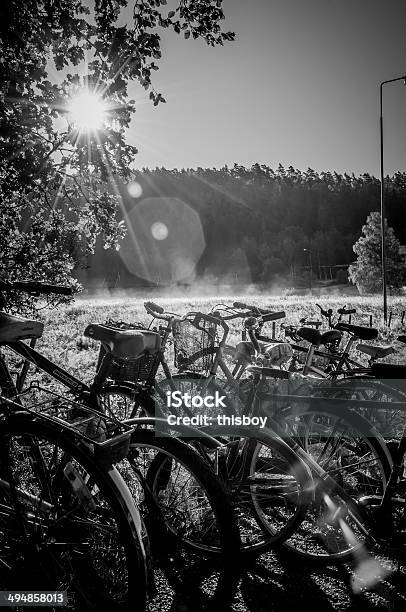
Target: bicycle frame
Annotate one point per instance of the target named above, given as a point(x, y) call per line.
point(33, 356)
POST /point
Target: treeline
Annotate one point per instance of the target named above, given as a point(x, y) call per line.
point(260, 224)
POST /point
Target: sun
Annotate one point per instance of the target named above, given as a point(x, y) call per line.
point(87, 111)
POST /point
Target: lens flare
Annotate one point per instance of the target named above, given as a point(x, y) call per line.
point(367, 575)
point(134, 189)
point(159, 231)
point(164, 240)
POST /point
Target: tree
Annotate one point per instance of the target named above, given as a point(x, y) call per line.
point(55, 195)
point(366, 272)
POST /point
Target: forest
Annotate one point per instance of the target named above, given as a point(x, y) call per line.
point(260, 225)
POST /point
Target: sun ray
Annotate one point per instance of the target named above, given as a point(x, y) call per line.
point(116, 191)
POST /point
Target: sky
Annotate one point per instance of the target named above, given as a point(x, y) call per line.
point(299, 86)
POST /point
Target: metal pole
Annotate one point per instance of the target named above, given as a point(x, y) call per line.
point(383, 237)
point(383, 240)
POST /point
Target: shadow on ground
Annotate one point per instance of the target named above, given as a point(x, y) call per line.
point(274, 583)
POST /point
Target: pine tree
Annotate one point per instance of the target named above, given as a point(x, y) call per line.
point(366, 271)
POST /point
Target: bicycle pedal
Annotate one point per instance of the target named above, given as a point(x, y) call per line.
point(370, 500)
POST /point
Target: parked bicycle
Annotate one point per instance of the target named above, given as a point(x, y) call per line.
point(275, 490)
point(68, 523)
point(94, 412)
point(344, 434)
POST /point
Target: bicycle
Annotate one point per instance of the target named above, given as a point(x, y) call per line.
point(351, 375)
point(337, 364)
point(368, 449)
point(121, 347)
point(361, 464)
point(244, 475)
point(355, 428)
point(67, 521)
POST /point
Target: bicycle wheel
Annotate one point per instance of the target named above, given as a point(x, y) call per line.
point(389, 422)
point(267, 515)
point(235, 388)
point(180, 492)
point(63, 524)
point(267, 483)
point(126, 401)
point(350, 450)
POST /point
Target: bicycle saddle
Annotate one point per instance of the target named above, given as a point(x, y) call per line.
point(124, 344)
point(14, 328)
point(388, 370)
point(363, 333)
point(310, 335)
point(332, 335)
point(376, 352)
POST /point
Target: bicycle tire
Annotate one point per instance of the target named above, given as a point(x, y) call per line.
point(273, 536)
point(90, 511)
point(389, 423)
point(228, 353)
point(281, 465)
point(205, 497)
point(318, 540)
point(126, 401)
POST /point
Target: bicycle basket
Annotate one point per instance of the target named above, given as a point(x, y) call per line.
point(141, 369)
point(194, 346)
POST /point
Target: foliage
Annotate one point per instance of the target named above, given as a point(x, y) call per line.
point(366, 272)
point(271, 216)
point(54, 196)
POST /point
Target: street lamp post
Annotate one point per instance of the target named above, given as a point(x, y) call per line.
point(383, 241)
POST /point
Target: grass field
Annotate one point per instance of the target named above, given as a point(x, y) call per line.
point(63, 326)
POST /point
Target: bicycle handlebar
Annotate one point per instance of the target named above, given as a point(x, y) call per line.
point(240, 305)
point(35, 287)
point(267, 314)
point(199, 316)
point(344, 311)
point(274, 316)
point(250, 307)
point(325, 313)
point(154, 307)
